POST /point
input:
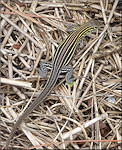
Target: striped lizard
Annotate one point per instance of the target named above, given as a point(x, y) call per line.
point(61, 59)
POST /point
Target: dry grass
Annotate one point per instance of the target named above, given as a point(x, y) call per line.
point(89, 110)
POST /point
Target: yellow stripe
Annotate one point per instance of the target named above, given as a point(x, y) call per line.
point(65, 41)
point(82, 33)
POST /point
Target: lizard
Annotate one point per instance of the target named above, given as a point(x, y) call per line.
point(61, 59)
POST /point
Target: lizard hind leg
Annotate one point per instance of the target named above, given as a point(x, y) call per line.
point(69, 71)
point(43, 68)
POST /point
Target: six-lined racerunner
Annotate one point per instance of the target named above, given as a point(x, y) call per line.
point(61, 59)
